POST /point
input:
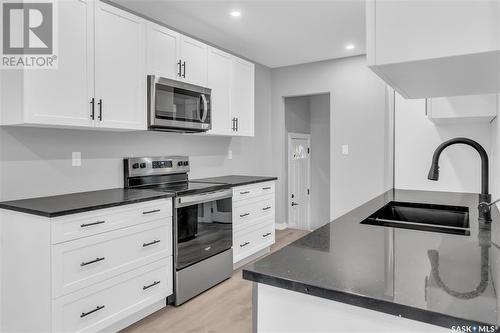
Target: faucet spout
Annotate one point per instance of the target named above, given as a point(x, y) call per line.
point(485, 196)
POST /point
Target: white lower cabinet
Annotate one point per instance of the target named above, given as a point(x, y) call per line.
point(85, 272)
point(253, 219)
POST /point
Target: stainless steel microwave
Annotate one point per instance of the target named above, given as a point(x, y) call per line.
point(178, 106)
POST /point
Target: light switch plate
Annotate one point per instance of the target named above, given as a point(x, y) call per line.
point(76, 159)
point(345, 149)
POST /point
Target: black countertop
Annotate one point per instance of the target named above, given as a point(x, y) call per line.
point(389, 269)
point(66, 204)
point(235, 180)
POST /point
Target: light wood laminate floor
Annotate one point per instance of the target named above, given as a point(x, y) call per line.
point(226, 307)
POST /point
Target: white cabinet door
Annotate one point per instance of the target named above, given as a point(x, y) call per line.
point(242, 96)
point(193, 55)
point(62, 96)
point(162, 55)
point(120, 75)
point(219, 80)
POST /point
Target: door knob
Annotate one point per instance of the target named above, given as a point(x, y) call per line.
point(294, 204)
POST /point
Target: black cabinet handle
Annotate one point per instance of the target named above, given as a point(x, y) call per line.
point(91, 224)
point(245, 192)
point(265, 235)
point(294, 204)
point(151, 285)
point(92, 108)
point(151, 211)
point(237, 124)
point(179, 73)
point(150, 243)
point(100, 109)
point(266, 188)
point(244, 244)
point(99, 307)
point(92, 261)
point(234, 126)
point(243, 215)
point(184, 66)
point(266, 208)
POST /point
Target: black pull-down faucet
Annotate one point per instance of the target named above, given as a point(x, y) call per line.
point(484, 197)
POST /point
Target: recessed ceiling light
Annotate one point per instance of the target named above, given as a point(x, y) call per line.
point(349, 46)
point(235, 13)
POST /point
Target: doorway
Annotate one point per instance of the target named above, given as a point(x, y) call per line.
point(307, 123)
point(299, 179)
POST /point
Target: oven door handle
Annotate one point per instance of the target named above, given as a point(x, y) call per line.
point(190, 200)
point(205, 108)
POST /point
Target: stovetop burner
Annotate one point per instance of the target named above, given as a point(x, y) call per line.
point(166, 174)
point(183, 188)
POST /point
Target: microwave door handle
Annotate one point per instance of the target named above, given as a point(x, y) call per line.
point(205, 108)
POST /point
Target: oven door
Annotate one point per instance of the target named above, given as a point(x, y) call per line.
point(174, 105)
point(203, 226)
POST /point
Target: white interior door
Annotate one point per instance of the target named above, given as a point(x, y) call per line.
point(298, 180)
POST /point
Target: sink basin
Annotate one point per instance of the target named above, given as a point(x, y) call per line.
point(424, 217)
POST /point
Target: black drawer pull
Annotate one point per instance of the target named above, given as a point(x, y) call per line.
point(245, 192)
point(99, 307)
point(265, 235)
point(151, 285)
point(151, 211)
point(92, 262)
point(90, 224)
point(243, 215)
point(266, 208)
point(244, 244)
point(266, 188)
point(150, 243)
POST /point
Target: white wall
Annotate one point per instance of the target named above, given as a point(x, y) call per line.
point(416, 139)
point(297, 115)
point(319, 107)
point(358, 116)
point(37, 161)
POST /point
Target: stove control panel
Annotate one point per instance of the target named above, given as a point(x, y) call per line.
point(148, 166)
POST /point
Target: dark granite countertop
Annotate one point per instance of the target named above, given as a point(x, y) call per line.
point(66, 204)
point(389, 269)
point(235, 180)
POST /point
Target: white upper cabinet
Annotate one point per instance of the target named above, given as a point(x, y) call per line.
point(120, 74)
point(232, 82)
point(101, 76)
point(242, 96)
point(162, 52)
point(193, 61)
point(435, 48)
point(62, 96)
point(472, 108)
point(219, 80)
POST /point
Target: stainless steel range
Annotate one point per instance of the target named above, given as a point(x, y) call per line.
point(202, 222)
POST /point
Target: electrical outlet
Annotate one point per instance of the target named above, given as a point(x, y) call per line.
point(345, 149)
point(76, 159)
point(229, 154)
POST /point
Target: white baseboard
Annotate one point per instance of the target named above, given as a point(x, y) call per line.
point(281, 226)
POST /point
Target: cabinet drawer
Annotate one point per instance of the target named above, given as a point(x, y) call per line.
point(101, 305)
point(257, 208)
point(91, 223)
point(252, 240)
point(253, 190)
point(80, 263)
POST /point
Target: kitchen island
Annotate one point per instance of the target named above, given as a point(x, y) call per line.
point(348, 276)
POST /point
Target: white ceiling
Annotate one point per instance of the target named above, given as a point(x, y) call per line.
point(273, 33)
